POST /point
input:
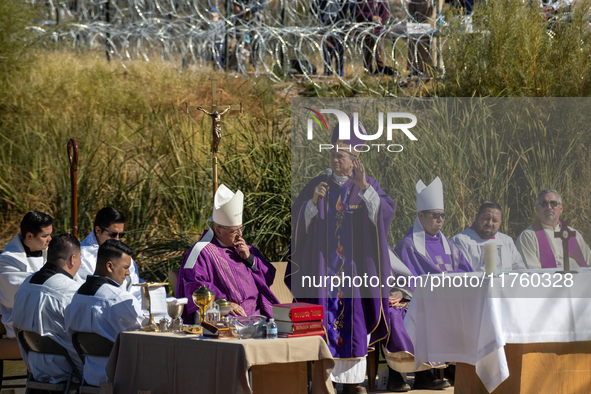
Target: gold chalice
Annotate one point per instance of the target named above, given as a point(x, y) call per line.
point(203, 297)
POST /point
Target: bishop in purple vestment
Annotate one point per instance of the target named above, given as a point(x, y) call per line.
point(424, 249)
point(223, 262)
point(340, 222)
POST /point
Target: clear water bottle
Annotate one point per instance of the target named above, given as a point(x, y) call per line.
point(271, 329)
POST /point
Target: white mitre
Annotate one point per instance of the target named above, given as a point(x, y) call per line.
point(428, 198)
point(227, 207)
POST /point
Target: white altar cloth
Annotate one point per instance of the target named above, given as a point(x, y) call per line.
point(472, 324)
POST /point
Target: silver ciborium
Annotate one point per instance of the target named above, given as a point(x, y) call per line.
point(175, 310)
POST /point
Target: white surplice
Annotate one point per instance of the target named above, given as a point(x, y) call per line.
point(15, 267)
point(527, 245)
point(109, 311)
point(472, 246)
point(40, 308)
point(89, 248)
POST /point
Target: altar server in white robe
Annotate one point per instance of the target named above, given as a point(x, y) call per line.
point(22, 256)
point(102, 306)
point(538, 245)
point(485, 230)
point(109, 223)
point(40, 303)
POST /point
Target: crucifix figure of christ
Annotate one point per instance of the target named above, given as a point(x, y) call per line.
point(216, 129)
point(565, 234)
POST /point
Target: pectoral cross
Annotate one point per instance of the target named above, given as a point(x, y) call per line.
point(565, 234)
point(441, 266)
point(216, 129)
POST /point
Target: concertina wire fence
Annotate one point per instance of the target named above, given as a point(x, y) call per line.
point(310, 39)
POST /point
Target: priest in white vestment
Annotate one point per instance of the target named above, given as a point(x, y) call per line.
point(22, 256)
point(485, 230)
point(537, 244)
point(109, 223)
point(102, 306)
point(40, 303)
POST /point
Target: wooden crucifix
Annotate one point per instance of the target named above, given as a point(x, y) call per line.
point(565, 234)
point(216, 129)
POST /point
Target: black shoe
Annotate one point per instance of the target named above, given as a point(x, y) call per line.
point(450, 373)
point(425, 380)
point(396, 382)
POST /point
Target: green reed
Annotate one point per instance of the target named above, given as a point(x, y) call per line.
point(513, 51)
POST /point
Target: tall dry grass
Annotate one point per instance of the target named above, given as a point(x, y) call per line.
point(513, 51)
point(505, 150)
point(141, 153)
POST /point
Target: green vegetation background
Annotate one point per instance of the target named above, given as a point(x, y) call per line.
point(140, 153)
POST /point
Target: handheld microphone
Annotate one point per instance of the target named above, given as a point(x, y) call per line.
point(327, 175)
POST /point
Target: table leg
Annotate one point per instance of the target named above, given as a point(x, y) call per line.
point(309, 377)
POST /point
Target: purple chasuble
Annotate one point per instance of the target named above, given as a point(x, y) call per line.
point(436, 261)
point(547, 258)
point(342, 240)
point(223, 271)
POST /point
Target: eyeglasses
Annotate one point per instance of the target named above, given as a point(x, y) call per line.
point(435, 215)
point(552, 203)
point(114, 234)
point(234, 232)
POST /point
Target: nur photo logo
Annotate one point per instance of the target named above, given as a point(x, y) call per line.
point(393, 124)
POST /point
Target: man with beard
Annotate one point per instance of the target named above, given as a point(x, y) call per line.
point(485, 229)
point(537, 244)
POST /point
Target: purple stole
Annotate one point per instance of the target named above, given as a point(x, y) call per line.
point(342, 201)
point(547, 256)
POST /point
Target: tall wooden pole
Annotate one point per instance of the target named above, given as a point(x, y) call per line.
point(73, 158)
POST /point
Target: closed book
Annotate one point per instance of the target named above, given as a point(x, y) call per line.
point(287, 327)
point(298, 311)
point(306, 334)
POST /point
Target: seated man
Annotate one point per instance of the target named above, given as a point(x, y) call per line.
point(537, 244)
point(485, 229)
point(39, 306)
point(23, 255)
point(109, 223)
point(102, 306)
point(424, 249)
point(223, 262)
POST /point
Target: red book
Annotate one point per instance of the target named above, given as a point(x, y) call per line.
point(306, 334)
point(298, 311)
point(287, 327)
